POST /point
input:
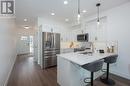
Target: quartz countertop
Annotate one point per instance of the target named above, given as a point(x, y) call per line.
point(82, 59)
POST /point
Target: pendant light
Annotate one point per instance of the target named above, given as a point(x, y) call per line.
point(79, 15)
point(98, 13)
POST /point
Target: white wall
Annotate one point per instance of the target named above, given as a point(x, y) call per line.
point(7, 48)
point(118, 28)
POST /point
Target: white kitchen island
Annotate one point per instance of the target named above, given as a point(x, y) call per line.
point(69, 70)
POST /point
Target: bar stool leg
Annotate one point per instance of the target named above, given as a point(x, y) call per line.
point(107, 80)
point(107, 77)
point(92, 74)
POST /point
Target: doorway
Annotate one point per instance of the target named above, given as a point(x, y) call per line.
point(25, 44)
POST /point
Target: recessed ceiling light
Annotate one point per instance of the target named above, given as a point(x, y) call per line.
point(84, 11)
point(66, 20)
point(26, 27)
point(99, 0)
point(52, 14)
point(65, 2)
point(19, 33)
point(25, 20)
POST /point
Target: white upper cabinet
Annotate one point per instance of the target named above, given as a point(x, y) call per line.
point(97, 32)
point(47, 28)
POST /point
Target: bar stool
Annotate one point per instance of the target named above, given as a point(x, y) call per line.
point(109, 60)
point(93, 67)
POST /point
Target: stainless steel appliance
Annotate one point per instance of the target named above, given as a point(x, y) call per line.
point(82, 37)
point(50, 47)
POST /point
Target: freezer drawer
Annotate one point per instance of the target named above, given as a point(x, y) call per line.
point(50, 61)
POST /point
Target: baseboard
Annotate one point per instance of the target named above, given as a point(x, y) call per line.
point(6, 82)
point(23, 54)
point(58, 84)
point(120, 74)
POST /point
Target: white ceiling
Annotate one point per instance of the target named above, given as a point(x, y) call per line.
point(31, 9)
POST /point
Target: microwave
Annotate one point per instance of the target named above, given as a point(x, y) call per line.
point(82, 37)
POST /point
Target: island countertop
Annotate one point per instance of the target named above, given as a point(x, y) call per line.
point(82, 59)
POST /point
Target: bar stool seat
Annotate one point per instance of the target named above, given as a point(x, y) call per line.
point(93, 67)
point(109, 60)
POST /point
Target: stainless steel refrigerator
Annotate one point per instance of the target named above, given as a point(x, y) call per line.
point(50, 47)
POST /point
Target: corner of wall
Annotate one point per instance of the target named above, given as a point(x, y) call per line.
point(120, 74)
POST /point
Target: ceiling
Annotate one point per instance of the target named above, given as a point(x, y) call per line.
point(31, 9)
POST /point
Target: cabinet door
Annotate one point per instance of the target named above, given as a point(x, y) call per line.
point(63, 75)
point(97, 32)
point(46, 28)
point(68, 73)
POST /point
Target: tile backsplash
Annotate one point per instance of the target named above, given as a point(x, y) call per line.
point(95, 46)
point(68, 44)
point(105, 45)
point(76, 44)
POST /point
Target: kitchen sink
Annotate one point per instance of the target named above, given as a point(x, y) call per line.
point(86, 53)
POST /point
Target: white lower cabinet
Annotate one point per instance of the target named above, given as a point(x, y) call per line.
point(70, 74)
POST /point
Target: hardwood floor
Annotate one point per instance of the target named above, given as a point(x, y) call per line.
point(119, 81)
point(28, 73)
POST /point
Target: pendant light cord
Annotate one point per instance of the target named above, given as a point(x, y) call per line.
point(79, 7)
point(98, 11)
point(78, 16)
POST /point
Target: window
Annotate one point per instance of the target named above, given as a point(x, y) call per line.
point(23, 37)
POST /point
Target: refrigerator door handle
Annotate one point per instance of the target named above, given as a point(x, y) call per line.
point(54, 41)
point(51, 40)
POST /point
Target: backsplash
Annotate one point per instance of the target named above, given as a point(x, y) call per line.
point(76, 44)
point(109, 47)
point(70, 44)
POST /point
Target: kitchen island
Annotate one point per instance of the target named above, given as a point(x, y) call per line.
point(69, 70)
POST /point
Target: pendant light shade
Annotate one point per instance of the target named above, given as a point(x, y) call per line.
point(98, 13)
